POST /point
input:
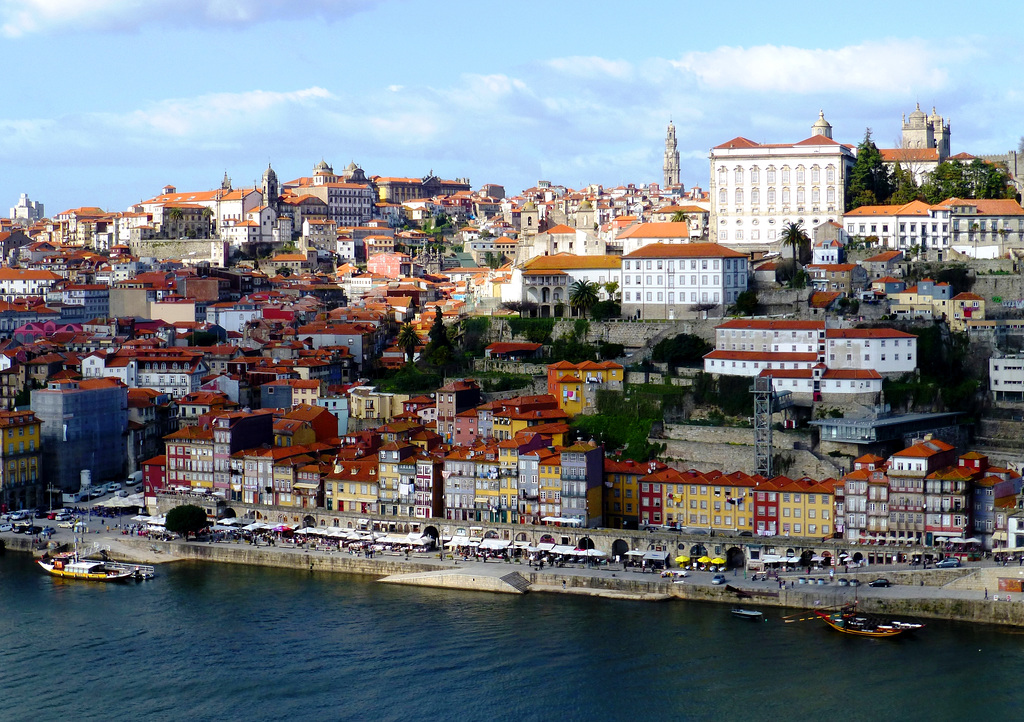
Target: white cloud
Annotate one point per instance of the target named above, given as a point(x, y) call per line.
point(592, 67)
point(26, 17)
point(888, 66)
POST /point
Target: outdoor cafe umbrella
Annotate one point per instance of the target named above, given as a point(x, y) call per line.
point(704, 560)
point(682, 559)
point(718, 560)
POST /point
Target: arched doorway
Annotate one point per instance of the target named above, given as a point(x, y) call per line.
point(858, 557)
point(806, 558)
point(432, 532)
point(734, 558)
point(698, 550)
point(521, 536)
point(585, 543)
point(547, 539)
point(491, 534)
point(229, 513)
point(619, 548)
point(826, 559)
point(308, 520)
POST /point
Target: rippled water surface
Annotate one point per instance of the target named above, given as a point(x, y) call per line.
point(222, 642)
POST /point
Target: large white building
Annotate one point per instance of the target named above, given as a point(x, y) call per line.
point(748, 347)
point(662, 280)
point(757, 188)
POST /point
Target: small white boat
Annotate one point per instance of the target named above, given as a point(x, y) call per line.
point(750, 614)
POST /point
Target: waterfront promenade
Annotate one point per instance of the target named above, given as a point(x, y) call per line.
point(966, 594)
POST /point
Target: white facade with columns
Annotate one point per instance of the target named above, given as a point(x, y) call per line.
point(757, 188)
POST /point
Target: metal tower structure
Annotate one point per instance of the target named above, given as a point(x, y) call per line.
point(763, 426)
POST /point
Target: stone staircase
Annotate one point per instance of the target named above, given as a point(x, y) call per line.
point(517, 581)
point(986, 578)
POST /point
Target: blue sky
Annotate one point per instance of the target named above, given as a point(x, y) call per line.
point(109, 100)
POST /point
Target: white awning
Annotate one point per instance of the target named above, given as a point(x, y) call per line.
point(575, 521)
point(546, 546)
point(563, 549)
point(495, 544)
point(656, 556)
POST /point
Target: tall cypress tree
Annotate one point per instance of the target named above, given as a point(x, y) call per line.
point(870, 182)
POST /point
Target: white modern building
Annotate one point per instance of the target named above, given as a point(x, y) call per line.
point(757, 188)
point(662, 280)
point(1006, 377)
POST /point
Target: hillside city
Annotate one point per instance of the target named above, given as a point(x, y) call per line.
point(824, 344)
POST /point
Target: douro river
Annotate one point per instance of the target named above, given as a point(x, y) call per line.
point(223, 642)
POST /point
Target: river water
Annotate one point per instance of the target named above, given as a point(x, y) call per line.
point(225, 642)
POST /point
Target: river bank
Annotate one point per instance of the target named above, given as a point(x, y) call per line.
point(932, 594)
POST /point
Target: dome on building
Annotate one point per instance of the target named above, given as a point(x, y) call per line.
point(530, 206)
point(821, 126)
point(322, 167)
point(269, 174)
point(352, 166)
point(586, 206)
point(918, 113)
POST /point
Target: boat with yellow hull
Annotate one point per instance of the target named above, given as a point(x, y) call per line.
point(91, 570)
point(847, 620)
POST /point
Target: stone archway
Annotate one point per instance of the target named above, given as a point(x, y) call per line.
point(585, 543)
point(309, 520)
point(698, 550)
point(431, 531)
point(491, 534)
point(826, 559)
point(547, 539)
point(229, 513)
point(521, 536)
point(858, 557)
point(619, 548)
point(734, 558)
point(806, 558)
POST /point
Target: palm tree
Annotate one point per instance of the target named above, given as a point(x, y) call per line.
point(408, 340)
point(175, 215)
point(794, 236)
point(583, 296)
point(680, 217)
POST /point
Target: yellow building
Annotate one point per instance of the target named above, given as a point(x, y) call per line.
point(550, 482)
point(965, 307)
point(621, 502)
point(806, 506)
point(716, 501)
point(21, 484)
point(352, 486)
point(576, 385)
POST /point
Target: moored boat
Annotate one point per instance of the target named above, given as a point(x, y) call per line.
point(71, 567)
point(751, 614)
point(848, 620)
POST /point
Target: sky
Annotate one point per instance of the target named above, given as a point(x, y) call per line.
point(107, 101)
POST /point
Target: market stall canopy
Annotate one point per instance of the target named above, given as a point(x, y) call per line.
point(655, 556)
point(495, 544)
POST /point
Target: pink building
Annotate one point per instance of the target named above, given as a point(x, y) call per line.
point(390, 265)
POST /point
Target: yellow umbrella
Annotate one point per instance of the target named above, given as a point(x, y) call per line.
point(682, 559)
point(704, 560)
point(718, 560)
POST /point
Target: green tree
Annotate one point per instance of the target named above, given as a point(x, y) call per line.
point(175, 216)
point(905, 188)
point(612, 289)
point(977, 179)
point(869, 178)
point(408, 340)
point(794, 236)
point(583, 295)
point(186, 519)
point(680, 217)
point(746, 304)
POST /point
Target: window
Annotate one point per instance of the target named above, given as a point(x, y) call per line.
point(755, 197)
point(739, 196)
point(785, 174)
point(738, 175)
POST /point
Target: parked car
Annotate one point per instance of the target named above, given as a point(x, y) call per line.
point(66, 524)
point(718, 579)
point(97, 492)
point(137, 488)
point(49, 530)
point(948, 563)
point(880, 582)
point(6, 526)
point(114, 486)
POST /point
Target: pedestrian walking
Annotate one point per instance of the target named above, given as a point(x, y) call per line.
point(986, 592)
